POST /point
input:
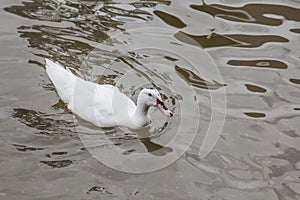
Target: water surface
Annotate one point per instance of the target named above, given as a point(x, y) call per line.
point(255, 45)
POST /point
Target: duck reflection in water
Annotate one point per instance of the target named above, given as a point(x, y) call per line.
point(154, 148)
point(49, 125)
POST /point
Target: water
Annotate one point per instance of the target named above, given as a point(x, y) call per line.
point(255, 46)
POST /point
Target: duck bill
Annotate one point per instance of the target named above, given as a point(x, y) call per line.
point(163, 109)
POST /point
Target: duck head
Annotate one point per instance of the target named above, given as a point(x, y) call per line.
point(151, 97)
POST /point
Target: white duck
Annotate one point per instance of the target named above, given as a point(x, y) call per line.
point(103, 105)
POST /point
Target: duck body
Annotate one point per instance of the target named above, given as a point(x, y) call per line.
point(103, 105)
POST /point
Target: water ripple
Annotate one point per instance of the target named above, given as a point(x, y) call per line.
point(46, 124)
point(103, 14)
point(253, 44)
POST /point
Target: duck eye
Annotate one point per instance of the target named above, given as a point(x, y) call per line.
point(150, 95)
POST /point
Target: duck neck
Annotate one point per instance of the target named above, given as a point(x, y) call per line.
point(141, 117)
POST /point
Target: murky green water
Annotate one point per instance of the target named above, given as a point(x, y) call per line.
point(255, 45)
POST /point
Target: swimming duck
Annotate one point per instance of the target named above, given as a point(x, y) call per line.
point(103, 105)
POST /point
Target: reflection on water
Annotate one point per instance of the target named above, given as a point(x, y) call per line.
point(170, 19)
point(255, 88)
point(88, 15)
point(57, 163)
point(90, 22)
point(295, 81)
point(275, 64)
point(154, 148)
point(236, 40)
point(295, 30)
point(46, 124)
point(255, 114)
point(21, 147)
point(99, 189)
point(194, 80)
point(49, 127)
point(255, 46)
point(266, 14)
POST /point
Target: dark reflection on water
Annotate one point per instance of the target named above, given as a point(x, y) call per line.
point(59, 153)
point(45, 123)
point(295, 30)
point(255, 88)
point(266, 14)
point(295, 81)
point(99, 189)
point(154, 148)
point(235, 40)
point(194, 80)
point(170, 19)
point(24, 148)
point(273, 64)
point(49, 126)
point(255, 114)
point(151, 146)
point(42, 37)
point(57, 163)
point(90, 22)
point(87, 15)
